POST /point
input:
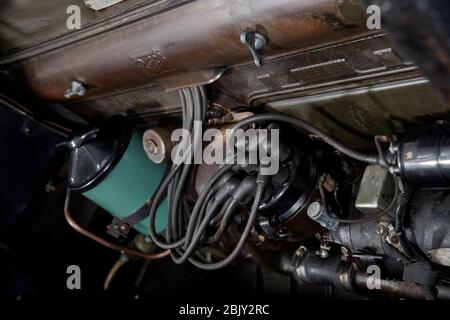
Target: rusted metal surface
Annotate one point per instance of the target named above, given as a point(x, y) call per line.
point(353, 90)
point(312, 71)
point(400, 289)
point(29, 28)
point(372, 93)
point(189, 44)
point(372, 90)
point(247, 85)
point(146, 102)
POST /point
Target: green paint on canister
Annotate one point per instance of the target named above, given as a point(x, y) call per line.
point(112, 170)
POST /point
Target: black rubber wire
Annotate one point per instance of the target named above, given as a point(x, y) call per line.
point(243, 239)
point(219, 216)
point(186, 227)
point(372, 159)
point(192, 235)
point(173, 180)
point(231, 209)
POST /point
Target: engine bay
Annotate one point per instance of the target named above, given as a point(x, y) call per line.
point(282, 149)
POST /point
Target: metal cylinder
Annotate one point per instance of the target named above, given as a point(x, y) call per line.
point(331, 270)
point(340, 274)
point(317, 213)
point(424, 158)
point(109, 166)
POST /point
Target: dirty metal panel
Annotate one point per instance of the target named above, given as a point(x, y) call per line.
point(26, 24)
point(141, 103)
point(356, 115)
point(421, 30)
point(350, 62)
point(351, 67)
point(185, 45)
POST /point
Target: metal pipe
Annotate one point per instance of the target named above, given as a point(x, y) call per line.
point(114, 269)
point(103, 242)
point(400, 289)
point(343, 274)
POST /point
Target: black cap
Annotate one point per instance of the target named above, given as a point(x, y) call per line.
point(96, 152)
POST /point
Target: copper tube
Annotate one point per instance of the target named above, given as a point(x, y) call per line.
point(115, 268)
point(106, 243)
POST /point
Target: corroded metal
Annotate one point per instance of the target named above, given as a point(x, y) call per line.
point(188, 45)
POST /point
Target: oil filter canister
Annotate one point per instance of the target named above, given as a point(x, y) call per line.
point(109, 166)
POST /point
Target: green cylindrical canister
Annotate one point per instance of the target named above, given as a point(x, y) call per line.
point(109, 166)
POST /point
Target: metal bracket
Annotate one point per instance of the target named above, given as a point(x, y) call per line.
point(118, 228)
point(255, 43)
point(387, 233)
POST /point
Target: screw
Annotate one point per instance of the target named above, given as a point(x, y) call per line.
point(124, 227)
